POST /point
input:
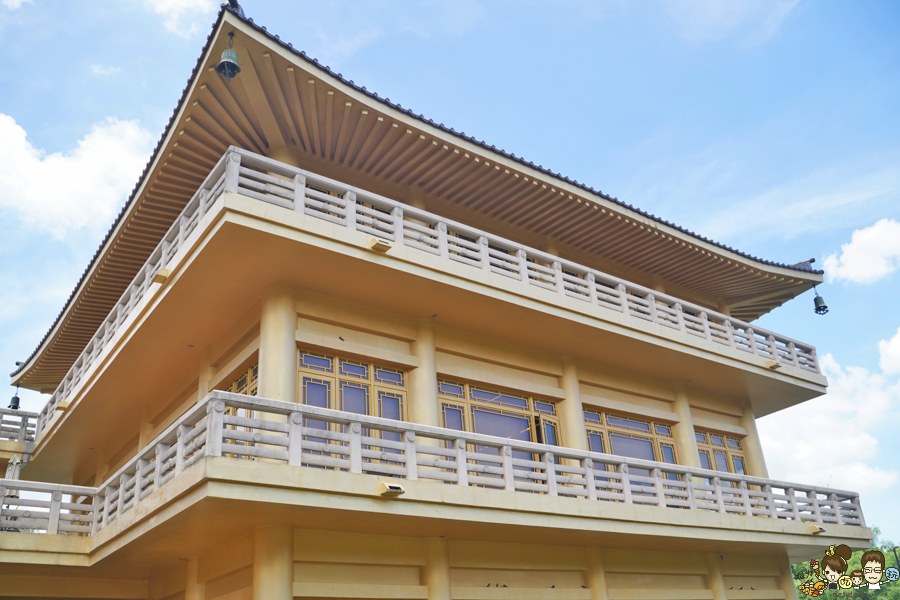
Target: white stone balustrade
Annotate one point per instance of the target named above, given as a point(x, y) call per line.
point(252, 175)
point(17, 425)
point(245, 427)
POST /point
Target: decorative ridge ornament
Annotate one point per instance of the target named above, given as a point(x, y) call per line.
point(228, 65)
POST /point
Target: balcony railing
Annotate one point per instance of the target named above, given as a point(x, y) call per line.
point(246, 427)
point(17, 425)
point(274, 182)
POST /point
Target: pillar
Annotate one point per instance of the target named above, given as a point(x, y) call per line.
point(205, 374)
point(273, 563)
point(723, 307)
point(685, 440)
point(277, 344)
point(436, 572)
point(194, 589)
point(714, 581)
point(424, 408)
point(786, 579)
point(571, 412)
point(756, 461)
point(595, 576)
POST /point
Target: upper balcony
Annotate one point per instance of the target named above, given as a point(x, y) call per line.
point(231, 451)
point(629, 326)
point(17, 430)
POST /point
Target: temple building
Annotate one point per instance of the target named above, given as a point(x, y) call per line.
point(333, 349)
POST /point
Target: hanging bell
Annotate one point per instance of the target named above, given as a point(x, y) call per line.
point(228, 65)
point(821, 307)
point(14, 403)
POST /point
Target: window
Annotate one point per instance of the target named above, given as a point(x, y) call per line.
point(721, 453)
point(351, 385)
point(629, 436)
point(247, 383)
point(470, 407)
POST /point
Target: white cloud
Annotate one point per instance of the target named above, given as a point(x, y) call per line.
point(14, 4)
point(60, 192)
point(182, 17)
point(872, 254)
point(829, 441)
point(104, 69)
point(889, 354)
point(751, 22)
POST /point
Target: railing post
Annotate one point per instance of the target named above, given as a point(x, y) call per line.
point(793, 501)
point(55, 505)
point(592, 287)
point(397, 213)
point(202, 204)
point(689, 489)
point(745, 495)
point(812, 495)
point(299, 193)
point(550, 472)
point(651, 306)
point(161, 450)
point(139, 480)
point(558, 277)
point(522, 261)
point(626, 483)
point(812, 353)
point(795, 360)
point(770, 499)
point(679, 310)
point(751, 339)
point(355, 448)
point(295, 439)
point(95, 513)
point(179, 448)
point(720, 498)
point(658, 488)
point(623, 297)
point(350, 207)
point(107, 501)
point(862, 520)
point(837, 508)
point(215, 425)
point(483, 253)
point(707, 334)
point(729, 331)
point(773, 347)
point(23, 430)
point(443, 249)
point(412, 464)
point(509, 479)
point(462, 463)
point(232, 172)
point(123, 490)
point(589, 482)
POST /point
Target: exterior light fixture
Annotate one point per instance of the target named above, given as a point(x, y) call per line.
point(14, 402)
point(228, 65)
point(821, 307)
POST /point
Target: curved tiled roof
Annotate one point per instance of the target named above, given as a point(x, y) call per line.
point(802, 266)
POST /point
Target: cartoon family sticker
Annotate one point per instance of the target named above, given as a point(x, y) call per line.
point(833, 574)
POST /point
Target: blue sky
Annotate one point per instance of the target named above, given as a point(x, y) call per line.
point(770, 126)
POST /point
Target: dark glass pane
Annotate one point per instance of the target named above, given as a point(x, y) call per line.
point(550, 434)
point(354, 398)
point(627, 424)
point(721, 461)
point(357, 370)
point(390, 376)
point(498, 398)
point(668, 454)
point(512, 427)
point(451, 389)
point(453, 418)
point(316, 361)
point(716, 440)
point(701, 437)
point(545, 407)
point(315, 393)
point(739, 465)
point(664, 430)
point(595, 442)
point(591, 417)
point(390, 406)
point(734, 444)
point(704, 461)
point(631, 447)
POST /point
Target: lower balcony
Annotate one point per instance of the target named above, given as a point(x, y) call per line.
point(330, 467)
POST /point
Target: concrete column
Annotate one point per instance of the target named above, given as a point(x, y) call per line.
point(685, 440)
point(786, 579)
point(424, 408)
point(723, 307)
point(194, 589)
point(571, 412)
point(595, 576)
point(714, 581)
point(205, 375)
point(756, 461)
point(273, 563)
point(277, 344)
point(436, 572)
